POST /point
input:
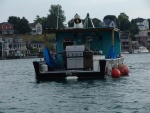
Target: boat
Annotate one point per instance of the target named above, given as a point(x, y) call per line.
point(125, 52)
point(141, 49)
point(85, 53)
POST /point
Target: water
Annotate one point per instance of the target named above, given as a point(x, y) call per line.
point(19, 91)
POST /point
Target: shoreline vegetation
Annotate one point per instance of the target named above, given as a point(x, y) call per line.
point(27, 38)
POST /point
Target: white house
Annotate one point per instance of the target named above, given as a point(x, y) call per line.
point(36, 28)
point(37, 44)
point(13, 45)
point(108, 23)
point(142, 24)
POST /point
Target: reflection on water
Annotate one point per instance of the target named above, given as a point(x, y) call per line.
point(21, 93)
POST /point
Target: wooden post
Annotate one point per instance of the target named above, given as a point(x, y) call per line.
point(113, 37)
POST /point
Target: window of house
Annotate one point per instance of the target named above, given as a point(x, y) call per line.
point(148, 34)
point(6, 27)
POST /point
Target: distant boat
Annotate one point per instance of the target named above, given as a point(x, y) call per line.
point(125, 52)
point(141, 49)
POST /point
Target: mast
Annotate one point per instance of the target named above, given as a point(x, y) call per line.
point(57, 16)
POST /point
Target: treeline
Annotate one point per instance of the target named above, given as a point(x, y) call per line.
point(56, 18)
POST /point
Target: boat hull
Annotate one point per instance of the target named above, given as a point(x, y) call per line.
point(63, 74)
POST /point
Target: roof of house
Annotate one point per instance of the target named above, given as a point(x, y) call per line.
point(5, 23)
point(107, 21)
point(138, 20)
point(32, 24)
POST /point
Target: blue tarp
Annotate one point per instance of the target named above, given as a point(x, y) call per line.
point(48, 58)
point(112, 53)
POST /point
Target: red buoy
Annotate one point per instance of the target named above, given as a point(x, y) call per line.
point(115, 73)
point(126, 70)
point(123, 69)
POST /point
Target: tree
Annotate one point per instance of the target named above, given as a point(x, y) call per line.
point(15, 21)
point(133, 29)
point(38, 19)
point(123, 16)
point(23, 26)
point(96, 22)
point(123, 22)
point(56, 17)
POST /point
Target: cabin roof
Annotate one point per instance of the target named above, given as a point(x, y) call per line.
point(78, 30)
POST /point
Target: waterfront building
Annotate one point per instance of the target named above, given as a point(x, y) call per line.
point(6, 28)
point(108, 23)
point(36, 28)
point(143, 38)
point(12, 46)
point(142, 24)
point(37, 44)
point(126, 43)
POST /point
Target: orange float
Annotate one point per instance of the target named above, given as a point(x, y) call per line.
point(124, 70)
point(115, 73)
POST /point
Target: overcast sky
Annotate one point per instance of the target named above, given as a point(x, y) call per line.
point(96, 8)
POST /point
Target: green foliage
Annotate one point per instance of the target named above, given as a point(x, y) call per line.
point(123, 16)
point(38, 19)
point(123, 22)
point(55, 12)
point(21, 26)
point(134, 28)
point(111, 17)
point(15, 21)
point(96, 22)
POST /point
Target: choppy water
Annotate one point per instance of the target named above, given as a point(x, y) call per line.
point(19, 91)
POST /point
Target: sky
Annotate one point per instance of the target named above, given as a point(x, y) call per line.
point(96, 8)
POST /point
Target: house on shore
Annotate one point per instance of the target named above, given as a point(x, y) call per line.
point(108, 23)
point(126, 43)
point(142, 24)
point(36, 28)
point(12, 46)
point(6, 28)
point(143, 38)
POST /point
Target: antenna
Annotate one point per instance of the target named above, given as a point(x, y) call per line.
point(58, 14)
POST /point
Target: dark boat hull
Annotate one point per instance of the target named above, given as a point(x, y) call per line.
point(63, 74)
